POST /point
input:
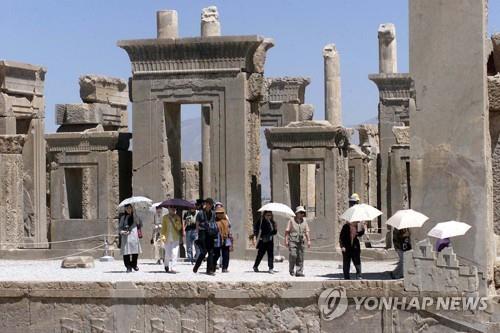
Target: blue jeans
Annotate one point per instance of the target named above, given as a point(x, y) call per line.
point(191, 236)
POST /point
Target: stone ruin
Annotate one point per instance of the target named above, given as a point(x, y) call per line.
point(22, 159)
point(434, 149)
point(91, 145)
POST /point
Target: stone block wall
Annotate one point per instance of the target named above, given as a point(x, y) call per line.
point(425, 270)
point(159, 307)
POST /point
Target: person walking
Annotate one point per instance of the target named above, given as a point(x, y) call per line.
point(158, 250)
point(130, 247)
point(170, 234)
point(189, 227)
point(402, 243)
point(224, 241)
point(263, 239)
point(296, 235)
point(207, 233)
point(351, 248)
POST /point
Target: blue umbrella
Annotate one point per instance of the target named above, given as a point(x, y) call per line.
point(177, 203)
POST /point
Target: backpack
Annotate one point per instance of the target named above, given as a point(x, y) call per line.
point(213, 230)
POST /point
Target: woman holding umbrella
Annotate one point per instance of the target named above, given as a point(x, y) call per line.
point(129, 228)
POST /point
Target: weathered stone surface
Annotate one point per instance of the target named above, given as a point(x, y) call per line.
point(256, 87)
point(494, 92)
point(496, 50)
point(426, 270)
point(78, 262)
point(306, 112)
point(333, 100)
point(450, 140)
point(102, 89)
point(497, 275)
point(95, 113)
point(287, 89)
point(167, 24)
point(12, 144)
point(21, 79)
point(191, 180)
point(388, 59)
point(210, 25)
point(11, 195)
point(402, 134)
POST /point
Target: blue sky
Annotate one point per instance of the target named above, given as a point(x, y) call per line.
point(72, 38)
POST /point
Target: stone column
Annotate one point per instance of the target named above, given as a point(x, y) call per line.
point(451, 175)
point(11, 195)
point(35, 183)
point(210, 25)
point(333, 100)
point(167, 24)
point(205, 150)
point(387, 50)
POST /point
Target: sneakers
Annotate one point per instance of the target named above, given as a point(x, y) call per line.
point(298, 274)
point(166, 269)
point(136, 268)
point(211, 273)
point(271, 271)
point(292, 273)
point(129, 270)
point(359, 277)
point(256, 269)
point(225, 271)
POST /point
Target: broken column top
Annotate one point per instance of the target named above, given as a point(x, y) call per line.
point(210, 25)
point(330, 51)
point(102, 89)
point(387, 48)
point(167, 24)
point(21, 79)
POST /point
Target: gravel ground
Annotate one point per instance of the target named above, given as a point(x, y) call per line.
point(239, 271)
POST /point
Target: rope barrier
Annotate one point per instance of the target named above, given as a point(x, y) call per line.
point(59, 242)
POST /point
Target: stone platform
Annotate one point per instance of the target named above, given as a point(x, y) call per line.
point(39, 296)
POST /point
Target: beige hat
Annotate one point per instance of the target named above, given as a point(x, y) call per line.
point(220, 210)
point(300, 209)
point(354, 197)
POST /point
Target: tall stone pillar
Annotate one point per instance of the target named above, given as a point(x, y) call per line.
point(210, 25)
point(167, 24)
point(450, 142)
point(333, 99)
point(11, 195)
point(387, 49)
point(205, 150)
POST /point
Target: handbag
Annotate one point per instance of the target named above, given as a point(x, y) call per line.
point(406, 244)
point(139, 233)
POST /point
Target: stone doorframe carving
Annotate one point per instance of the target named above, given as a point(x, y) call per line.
point(223, 72)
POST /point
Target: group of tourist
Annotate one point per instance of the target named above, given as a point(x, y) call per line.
point(205, 230)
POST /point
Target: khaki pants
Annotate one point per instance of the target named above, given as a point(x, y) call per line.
point(296, 256)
